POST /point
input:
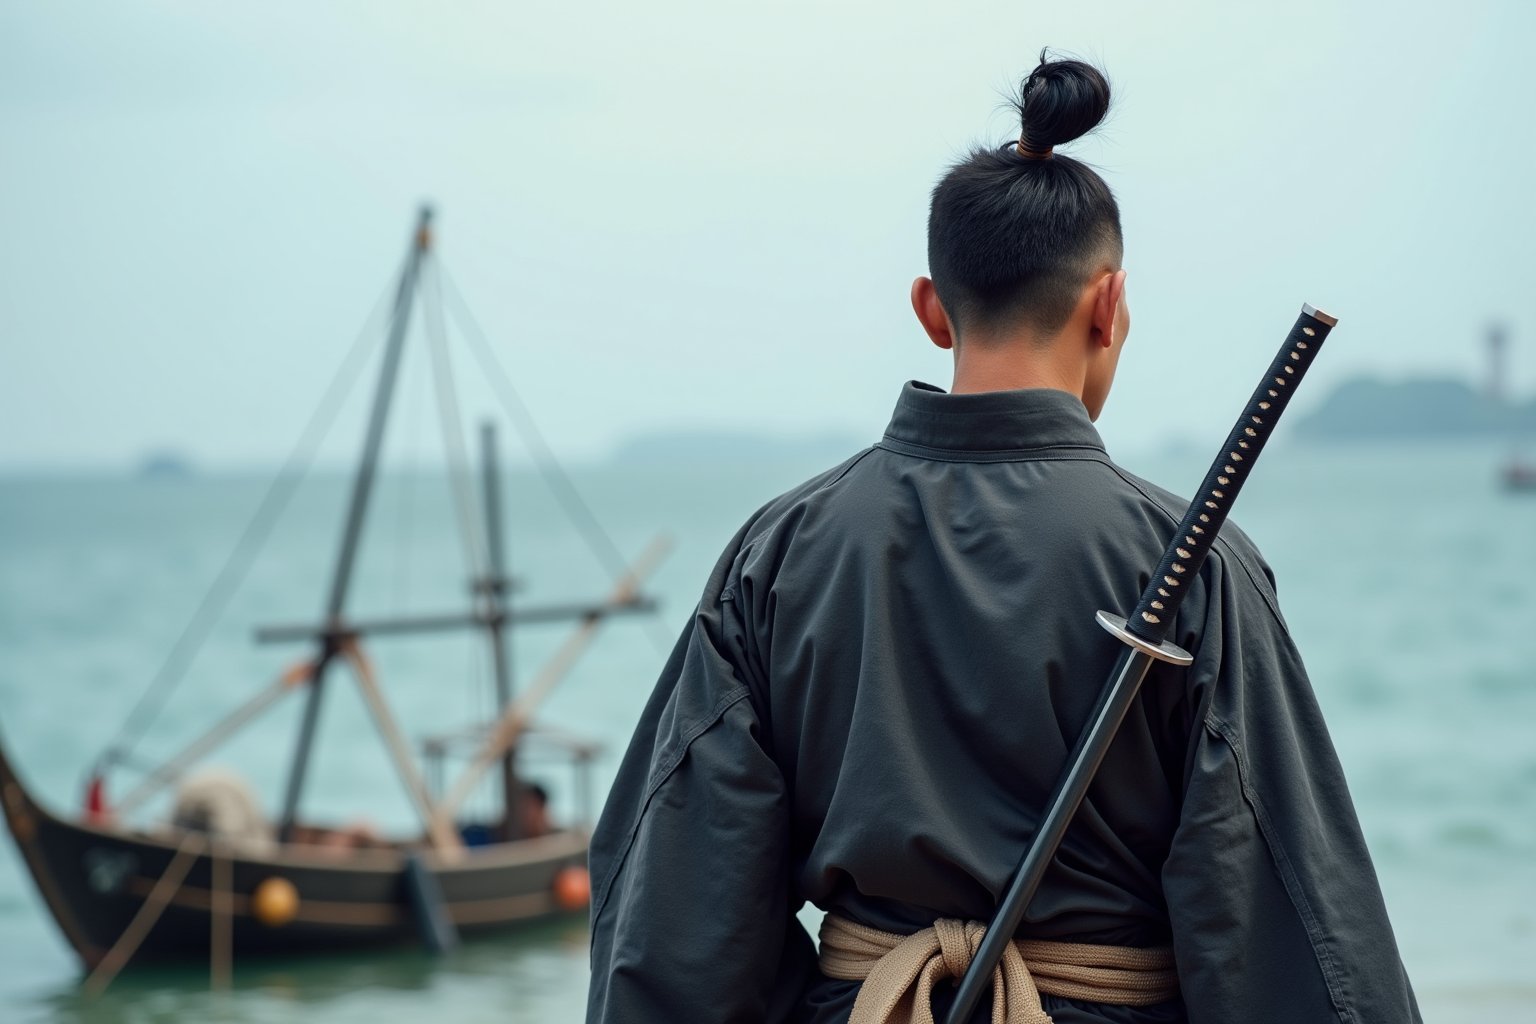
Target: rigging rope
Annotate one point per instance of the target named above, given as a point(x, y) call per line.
point(451, 422)
point(405, 512)
point(576, 508)
point(300, 459)
point(560, 484)
point(149, 705)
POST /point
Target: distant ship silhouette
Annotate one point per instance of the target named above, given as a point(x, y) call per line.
point(165, 465)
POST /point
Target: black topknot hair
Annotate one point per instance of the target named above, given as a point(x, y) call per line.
point(1060, 101)
point(1013, 235)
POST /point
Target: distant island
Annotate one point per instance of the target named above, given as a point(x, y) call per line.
point(1421, 409)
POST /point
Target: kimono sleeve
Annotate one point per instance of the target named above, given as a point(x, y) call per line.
point(692, 918)
point(1276, 911)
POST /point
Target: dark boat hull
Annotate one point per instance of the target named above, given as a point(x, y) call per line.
point(95, 879)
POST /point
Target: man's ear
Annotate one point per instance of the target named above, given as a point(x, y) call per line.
point(930, 313)
point(1106, 303)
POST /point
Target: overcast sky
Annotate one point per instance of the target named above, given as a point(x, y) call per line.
point(708, 215)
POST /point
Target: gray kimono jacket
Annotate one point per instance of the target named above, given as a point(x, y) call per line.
point(876, 694)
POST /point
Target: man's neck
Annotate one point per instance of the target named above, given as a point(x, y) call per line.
point(1007, 368)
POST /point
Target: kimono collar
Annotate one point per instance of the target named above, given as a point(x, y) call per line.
point(992, 421)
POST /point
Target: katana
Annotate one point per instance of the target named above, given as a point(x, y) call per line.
point(1144, 635)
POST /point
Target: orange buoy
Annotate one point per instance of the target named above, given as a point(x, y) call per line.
point(275, 902)
point(573, 888)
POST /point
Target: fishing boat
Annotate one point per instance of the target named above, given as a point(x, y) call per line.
point(216, 879)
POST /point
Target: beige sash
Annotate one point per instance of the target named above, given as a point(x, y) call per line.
point(899, 971)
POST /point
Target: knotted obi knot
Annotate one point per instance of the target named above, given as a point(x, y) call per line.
point(899, 972)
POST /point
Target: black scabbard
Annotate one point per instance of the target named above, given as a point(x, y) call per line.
point(1144, 634)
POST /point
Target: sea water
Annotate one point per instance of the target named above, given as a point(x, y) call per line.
point(1406, 574)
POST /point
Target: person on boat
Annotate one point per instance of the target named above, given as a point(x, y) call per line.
point(533, 811)
point(890, 664)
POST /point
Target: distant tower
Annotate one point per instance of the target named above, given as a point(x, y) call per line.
point(1498, 345)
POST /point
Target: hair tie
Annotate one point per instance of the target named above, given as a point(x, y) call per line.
point(1031, 154)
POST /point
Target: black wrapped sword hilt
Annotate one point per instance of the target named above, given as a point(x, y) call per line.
point(1192, 543)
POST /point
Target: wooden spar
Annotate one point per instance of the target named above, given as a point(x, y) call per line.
point(352, 532)
point(444, 839)
point(447, 621)
point(506, 730)
point(494, 589)
point(193, 752)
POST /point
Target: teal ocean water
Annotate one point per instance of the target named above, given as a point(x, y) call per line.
point(1407, 576)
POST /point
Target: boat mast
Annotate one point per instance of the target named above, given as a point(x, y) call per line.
point(362, 488)
point(496, 588)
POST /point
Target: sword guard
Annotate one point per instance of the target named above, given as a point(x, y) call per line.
point(1165, 650)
